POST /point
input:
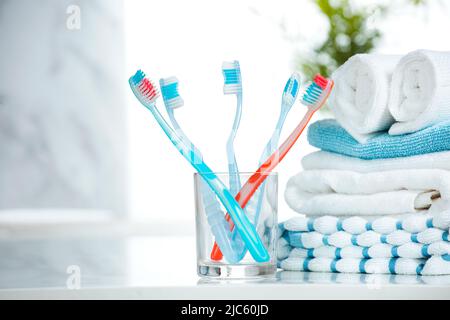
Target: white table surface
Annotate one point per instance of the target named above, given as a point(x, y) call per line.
point(142, 267)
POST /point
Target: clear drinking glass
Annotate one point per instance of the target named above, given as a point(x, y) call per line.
point(265, 198)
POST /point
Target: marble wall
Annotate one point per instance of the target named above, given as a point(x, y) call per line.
point(62, 136)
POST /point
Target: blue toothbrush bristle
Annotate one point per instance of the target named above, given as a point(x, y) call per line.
point(232, 77)
point(291, 89)
point(138, 77)
point(287, 86)
point(294, 88)
point(312, 94)
point(170, 94)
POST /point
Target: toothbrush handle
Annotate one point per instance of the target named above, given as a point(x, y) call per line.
point(216, 219)
point(244, 226)
point(254, 206)
point(218, 225)
point(235, 182)
point(263, 171)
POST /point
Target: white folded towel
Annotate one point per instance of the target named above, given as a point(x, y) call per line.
point(343, 193)
point(320, 160)
point(420, 91)
point(359, 100)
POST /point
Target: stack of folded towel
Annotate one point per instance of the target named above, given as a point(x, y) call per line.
point(376, 198)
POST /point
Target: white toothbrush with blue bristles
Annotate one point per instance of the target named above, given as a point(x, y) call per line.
point(233, 85)
point(173, 100)
point(216, 217)
point(290, 94)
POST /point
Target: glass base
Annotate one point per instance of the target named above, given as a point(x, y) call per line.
point(236, 271)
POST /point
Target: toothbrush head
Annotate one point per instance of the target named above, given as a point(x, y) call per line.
point(317, 92)
point(170, 94)
point(232, 77)
point(144, 89)
point(291, 89)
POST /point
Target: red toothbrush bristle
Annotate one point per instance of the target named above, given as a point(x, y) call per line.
point(148, 89)
point(321, 81)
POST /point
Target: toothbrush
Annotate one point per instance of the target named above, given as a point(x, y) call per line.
point(147, 94)
point(233, 85)
point(288, 99)
point(314, 98)
point(173, 100)
point(215, 216)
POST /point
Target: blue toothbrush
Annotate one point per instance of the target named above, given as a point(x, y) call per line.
point(216, 217)
point(233, 85)
point(147, 94)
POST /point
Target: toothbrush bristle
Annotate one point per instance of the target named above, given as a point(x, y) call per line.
point(312, 94)
point(292, 86)
point(138, 77)
point(147, 90)
point(321, 81)
point(170, 94)
point(232, 77)
point(291, 89)
point(314, 91)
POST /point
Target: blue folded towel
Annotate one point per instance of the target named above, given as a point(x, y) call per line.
point(330, 136)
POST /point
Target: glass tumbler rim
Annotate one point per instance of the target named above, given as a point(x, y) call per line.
point(223, 173)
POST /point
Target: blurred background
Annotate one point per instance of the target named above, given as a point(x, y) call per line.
point(77, 148)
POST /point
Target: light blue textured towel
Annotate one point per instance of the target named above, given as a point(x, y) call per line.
point(328, 135)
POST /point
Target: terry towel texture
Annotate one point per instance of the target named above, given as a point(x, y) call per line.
point(375, 93)
point(399, 252)
point(359, 100)
point(420, 91)
point(377, 195)
point(327, 225)
point(328, 135)
point(323, 160)
point(339, 192)
point(436, 265)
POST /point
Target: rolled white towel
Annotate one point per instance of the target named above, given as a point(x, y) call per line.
point(420, 91)
point(359, 100)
